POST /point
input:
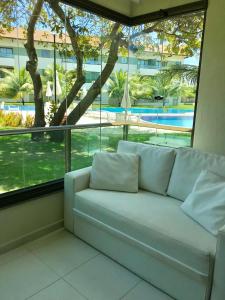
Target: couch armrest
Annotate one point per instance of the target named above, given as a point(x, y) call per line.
point(73, 182)
point(218, 288)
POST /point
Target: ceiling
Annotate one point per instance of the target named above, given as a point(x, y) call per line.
point(133, 8)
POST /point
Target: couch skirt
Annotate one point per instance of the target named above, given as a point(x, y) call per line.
point(158, 269)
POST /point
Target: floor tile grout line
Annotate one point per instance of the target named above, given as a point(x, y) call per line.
point(32, 251)
point(80, 265)
point(131, 289)
point(46, 264)
point(78, 291)
point(42, 289)
point(42, 238)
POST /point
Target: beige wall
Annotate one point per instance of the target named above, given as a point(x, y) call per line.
point(30, 219)
point(210, 122)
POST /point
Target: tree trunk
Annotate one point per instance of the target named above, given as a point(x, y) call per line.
point(32, 66)
point(95, 89)
point(59, 115)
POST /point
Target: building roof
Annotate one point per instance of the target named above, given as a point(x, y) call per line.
point(48, 37)
point(39, 36)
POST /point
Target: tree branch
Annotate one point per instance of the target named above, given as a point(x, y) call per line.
point(145, 31)
point(95, 89)
point(59, 115)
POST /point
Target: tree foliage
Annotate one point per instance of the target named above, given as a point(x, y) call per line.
point(15, 84)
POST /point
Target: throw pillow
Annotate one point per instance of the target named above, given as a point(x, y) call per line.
point(206, 202)
point(115, 172)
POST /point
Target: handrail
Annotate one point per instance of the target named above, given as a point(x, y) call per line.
point(91, 125)
point(153, 125)
point(52, 128)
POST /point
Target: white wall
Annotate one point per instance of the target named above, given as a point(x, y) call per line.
point(210, 122)
point(31, 219)
point(136, 8)
point(122, 6)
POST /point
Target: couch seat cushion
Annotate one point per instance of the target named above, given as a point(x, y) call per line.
point(155, 220)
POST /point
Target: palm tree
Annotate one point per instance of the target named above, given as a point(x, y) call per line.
point(186, 73)
point(140, 87)
point(115, 86)
point(15, 84)
point(163, 85)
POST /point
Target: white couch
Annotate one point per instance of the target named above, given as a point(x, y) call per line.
point(149, 233)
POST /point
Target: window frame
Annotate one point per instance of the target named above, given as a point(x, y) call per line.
point(33, 192)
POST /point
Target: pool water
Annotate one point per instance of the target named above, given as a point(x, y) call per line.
point(180, 121)
point(138, 110)
point(19, 107)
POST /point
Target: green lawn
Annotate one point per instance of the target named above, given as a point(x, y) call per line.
point(24, 162)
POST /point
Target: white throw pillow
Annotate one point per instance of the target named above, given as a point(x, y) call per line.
point(115, 172)
point(206, 202)
point(188, 165)
point(156, 164)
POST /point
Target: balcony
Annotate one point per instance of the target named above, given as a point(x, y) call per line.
point(60, 265)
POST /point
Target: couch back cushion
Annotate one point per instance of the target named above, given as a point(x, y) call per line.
point(188, 165)
point(155, 167)
point(129, 147)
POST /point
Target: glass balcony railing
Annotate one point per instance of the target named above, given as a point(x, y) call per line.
point(29, 157)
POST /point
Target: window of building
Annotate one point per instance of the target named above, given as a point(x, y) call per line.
point(93, 61)
point(6, 52)
point(123, 60)
point(45, 53)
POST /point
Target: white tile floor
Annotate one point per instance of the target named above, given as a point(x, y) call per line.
point(62, 267)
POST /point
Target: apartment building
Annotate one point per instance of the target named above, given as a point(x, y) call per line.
point(13, 55)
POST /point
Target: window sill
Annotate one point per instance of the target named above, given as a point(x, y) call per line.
point(30, 193)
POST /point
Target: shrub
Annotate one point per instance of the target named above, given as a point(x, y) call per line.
point(29, 121)
point(10, 119)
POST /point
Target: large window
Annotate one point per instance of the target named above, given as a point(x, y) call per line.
point(79, 65)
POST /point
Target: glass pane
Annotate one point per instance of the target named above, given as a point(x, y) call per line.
point(25, 162)
point(160, 137)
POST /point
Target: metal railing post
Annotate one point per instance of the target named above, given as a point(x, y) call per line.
point(67, 150)
point(125, 132)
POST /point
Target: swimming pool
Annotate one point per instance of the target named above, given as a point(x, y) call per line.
point(180, 121)
point(138, 110)
point(19, 107)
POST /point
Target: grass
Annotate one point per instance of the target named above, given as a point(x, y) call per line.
point(24, 162)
